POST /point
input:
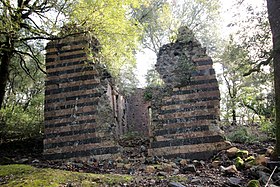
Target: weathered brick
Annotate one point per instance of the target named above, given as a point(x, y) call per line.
point(76, 91)
point(182, 117)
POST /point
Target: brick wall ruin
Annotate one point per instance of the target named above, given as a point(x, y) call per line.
point(138, 113)
point(186, 110)
point(85, 114)
point(79, 103)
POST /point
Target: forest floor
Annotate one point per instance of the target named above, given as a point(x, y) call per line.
point(22, 164)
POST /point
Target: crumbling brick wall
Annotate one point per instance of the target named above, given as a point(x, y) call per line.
point(138, 113)
point(84, 113)
point(186, 110)
point(79, 114)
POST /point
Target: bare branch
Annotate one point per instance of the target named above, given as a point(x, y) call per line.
point(258, 66)
point(23, 66)
point(51, 37)
point(37, 61)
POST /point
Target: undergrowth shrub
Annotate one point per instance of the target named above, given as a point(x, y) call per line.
point(19, 123)
point(242, 134)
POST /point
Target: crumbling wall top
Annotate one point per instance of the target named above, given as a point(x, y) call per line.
point(176, 61)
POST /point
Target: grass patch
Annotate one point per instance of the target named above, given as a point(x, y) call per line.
point(28, 176)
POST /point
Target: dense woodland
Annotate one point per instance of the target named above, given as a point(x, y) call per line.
point(247, 61)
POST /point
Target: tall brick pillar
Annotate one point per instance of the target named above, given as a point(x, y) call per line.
point(77, 100)
point(186, 110)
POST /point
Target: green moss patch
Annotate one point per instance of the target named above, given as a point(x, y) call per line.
point(24, 175)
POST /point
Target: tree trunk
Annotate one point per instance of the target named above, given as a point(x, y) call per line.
point(234, 120)
point(4, 73)
point(273, 7)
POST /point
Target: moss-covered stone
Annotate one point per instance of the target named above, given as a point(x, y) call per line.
point(253, 183)
point(239, 162)
point(242, 153)
point(250, 158)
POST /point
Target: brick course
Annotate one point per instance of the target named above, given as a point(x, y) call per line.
point(85, 115)
point(186, 110)
point(74, 99)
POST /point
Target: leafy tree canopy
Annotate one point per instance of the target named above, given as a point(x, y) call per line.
point(110, 23)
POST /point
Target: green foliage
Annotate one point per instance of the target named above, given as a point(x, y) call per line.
point(22, 114)
point(15, 169)
point(153, 78)
point(246, 100)
point(161, 20)
point(185, 69)
point(202, 17)
point(23, 27)
point(148, 93)
point(126, 80)
point(268, 128)
point(110, 23)
point(242, 135)
point(156, 18)
point(19, 123)
point(154, 82)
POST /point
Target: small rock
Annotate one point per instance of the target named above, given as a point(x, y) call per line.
point(36, 161)
point(261, 160)
point(197, 163)
point(189, 168)
point(183, 162)
point(131, 171)
point(23, 161)
point(176, 171)
point(174, 165)
point(196, 181)
point(254, 171)
point(77, 165)
point(175, 184)
point(269, 151)
point(166, 167)
point(263, 177)
point(231, 152)
point(230, 169)
point(202, 163)
point(92, 160)
point(234, 182)
point(161, 173)
point(150, 169)
point(152, 182)
point(143, 148)
point(119, 159)
point(127, 166)
point(228, 144)
point(110, 163)
point(216, 163)
point(120, 165)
